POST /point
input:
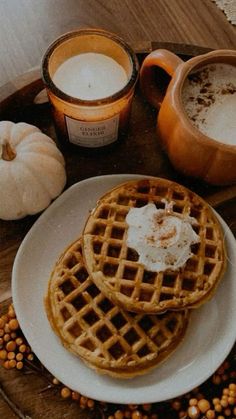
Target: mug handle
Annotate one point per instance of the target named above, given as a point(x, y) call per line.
point(164, 59)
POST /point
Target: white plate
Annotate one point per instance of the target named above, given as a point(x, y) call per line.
point(209, 338)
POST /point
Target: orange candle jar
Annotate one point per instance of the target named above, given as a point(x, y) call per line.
point(90, 76)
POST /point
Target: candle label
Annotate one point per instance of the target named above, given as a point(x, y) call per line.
point(92, 134)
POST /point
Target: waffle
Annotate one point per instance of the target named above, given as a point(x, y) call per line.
point(115, 268)
point(105, 337)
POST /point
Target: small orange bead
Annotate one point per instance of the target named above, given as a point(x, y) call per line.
point(13, 335)
point(5, 318)
point(193, 412)
point(3, 354)
point(176, 405)
point(75, 395)
point(11, 355)
point(30, 357)
point(6, 365)
point(11, 312)
point(7, 328)
point(90, 403)
point(19, 365)
point(216, 400)
point(55, 381)
point(218, 407)
point(224, 403)
point(19, 341)
point(6, 337)
point(19, 356)
point(232, 393)
point(1, 332)
point(2, 323)
point(65, 392)
point(13, 324)
point(210, 414)
point(227, 412)
point(11, 346)
point(22, 348)
point(232, 386)
point(193, 402)
point(216, 379)
point(83, 400)
point(204, 405)
point(12, 363)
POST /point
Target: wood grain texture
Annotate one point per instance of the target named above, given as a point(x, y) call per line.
point(28, 391)
point(27, 27)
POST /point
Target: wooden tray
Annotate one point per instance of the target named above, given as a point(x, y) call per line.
point(139, 152)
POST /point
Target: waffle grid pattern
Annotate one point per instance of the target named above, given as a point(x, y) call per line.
point(105, 336)
point(115, 269)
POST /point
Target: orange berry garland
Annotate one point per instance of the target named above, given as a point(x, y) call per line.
point(215, 399)
point(14, 350)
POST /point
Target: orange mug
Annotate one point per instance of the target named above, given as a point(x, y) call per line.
point(190, 149)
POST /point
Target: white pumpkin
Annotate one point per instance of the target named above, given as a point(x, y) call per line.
point(32, 170)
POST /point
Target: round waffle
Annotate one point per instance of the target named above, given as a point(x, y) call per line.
point(115, 268)
point(107, 338)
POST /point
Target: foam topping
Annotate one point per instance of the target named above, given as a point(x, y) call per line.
point(161, 237)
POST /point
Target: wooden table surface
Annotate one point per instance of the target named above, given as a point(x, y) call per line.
point(27, 27)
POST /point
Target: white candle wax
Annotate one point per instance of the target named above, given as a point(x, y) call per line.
point(90, 76)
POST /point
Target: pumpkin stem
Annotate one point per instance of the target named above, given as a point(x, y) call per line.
point(7, 152)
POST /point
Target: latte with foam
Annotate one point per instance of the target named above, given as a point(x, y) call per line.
point(209, 99)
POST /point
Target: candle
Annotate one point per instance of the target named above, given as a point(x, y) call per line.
point(90, 76)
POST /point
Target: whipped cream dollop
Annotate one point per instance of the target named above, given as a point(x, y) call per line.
point(161, 237)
